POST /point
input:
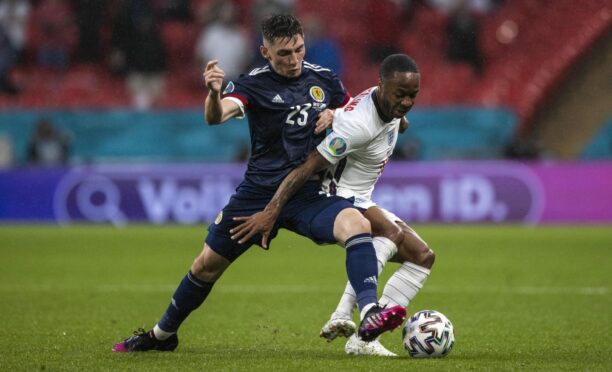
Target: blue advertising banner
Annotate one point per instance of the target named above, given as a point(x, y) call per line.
point(466, 192)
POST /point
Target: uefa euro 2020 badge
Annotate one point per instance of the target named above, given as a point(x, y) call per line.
point(337, 146)
point(229, 88)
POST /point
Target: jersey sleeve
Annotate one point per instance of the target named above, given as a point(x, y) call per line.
point(239, 93)
point(348, 135)
point(340, 96)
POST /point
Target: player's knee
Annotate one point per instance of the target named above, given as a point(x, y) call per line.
point(426, 257)
point(429, 258)
point(357, 224)
point(393, 233)
point(415, 251)
point(204, 272)
point(208, 268)
point(350, 222)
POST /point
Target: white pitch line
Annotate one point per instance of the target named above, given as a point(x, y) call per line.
point(520, 290)
point(297, 288)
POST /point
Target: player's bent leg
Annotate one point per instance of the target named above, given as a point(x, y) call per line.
point(413, 248)
point(355, 346)
point(416, 261)
point(360, 256)
point(338, 324)
point(209, 265)
point(352, 229)
point(383, 224)
point(363, 274)
point(189, 295)
point(350, 222)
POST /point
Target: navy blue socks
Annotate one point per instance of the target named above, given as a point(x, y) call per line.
point(189, 295)
point(362, 269)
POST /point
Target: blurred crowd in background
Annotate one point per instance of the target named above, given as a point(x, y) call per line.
point(125, 36)
point(492, 55)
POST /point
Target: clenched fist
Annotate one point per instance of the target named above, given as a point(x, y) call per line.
point(213, 76)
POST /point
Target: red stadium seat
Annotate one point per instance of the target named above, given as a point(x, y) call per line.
point(518, 72)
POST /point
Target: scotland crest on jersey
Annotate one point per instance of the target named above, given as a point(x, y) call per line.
point(317, 93)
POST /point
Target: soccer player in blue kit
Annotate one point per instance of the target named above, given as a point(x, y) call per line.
point(282, 101)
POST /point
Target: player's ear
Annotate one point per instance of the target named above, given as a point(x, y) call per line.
point(264, 52)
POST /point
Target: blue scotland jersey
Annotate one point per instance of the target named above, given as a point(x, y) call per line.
point(282, 113)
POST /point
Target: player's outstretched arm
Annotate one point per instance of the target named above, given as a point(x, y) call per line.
point(263, 222)
point(217, 111)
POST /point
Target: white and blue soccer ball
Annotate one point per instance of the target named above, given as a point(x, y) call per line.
point(428, 334)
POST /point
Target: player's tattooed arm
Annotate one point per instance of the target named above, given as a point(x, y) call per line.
point(324, 121)
point(296, 179)
point(263, 222)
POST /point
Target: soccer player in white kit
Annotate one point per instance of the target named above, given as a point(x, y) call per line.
point(355, 153)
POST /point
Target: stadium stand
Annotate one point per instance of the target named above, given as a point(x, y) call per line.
point(527, 49)
point(526, 44)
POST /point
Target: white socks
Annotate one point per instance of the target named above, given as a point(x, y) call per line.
point(400, 289)
point(365, 310)
point(385, 249)
point(160, 334)
point(404, 284)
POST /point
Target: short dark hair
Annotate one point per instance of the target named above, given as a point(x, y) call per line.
point(280, 26)
point(397, 63)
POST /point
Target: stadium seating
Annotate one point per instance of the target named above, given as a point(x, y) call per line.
point(536, 49)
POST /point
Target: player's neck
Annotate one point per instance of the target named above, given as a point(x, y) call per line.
point(381, 114)
point(283, 77)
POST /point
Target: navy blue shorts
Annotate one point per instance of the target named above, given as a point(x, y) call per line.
point(309, 213)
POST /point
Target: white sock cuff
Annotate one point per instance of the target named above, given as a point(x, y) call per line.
point(365, 309)
point(384, 247)
point(411, 266)
point(160, 334)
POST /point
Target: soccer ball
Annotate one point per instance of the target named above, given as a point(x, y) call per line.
point(428, 334)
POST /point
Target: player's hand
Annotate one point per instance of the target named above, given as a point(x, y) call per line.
point(404, 124)
point(324, 121)
point(213, 76)
point(259, 223)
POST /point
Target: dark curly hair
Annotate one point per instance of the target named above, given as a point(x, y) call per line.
point(280, 26)
point(397, 63)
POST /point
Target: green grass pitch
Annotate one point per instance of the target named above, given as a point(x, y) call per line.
point(520, 298)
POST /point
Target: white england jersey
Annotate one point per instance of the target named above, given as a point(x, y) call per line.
point(358, 148)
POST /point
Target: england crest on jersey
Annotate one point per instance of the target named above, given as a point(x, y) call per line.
point(390, 137)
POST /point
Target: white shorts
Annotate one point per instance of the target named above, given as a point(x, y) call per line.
point(369, 204)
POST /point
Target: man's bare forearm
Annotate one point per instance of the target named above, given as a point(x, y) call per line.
point(295, 180)
point(213, 110)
